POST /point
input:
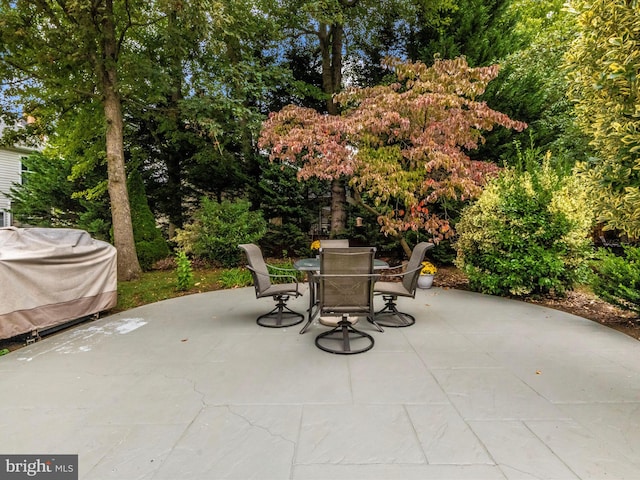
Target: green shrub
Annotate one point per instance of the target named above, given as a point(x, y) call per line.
point(150, 244)
point(184, 272)
point(287, 238)
point(617, 278)
point(236, 277)
point(526, 234)
point(150, 252)
point(285, 267)
point(218, 228)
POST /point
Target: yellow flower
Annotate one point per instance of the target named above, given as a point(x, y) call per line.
point(428, 268)
point(315, 245)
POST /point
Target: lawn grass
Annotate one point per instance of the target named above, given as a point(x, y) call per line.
point(162, 284)
point(156, 285)
point(159, 285)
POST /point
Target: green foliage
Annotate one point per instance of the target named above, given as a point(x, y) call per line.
point(527, 233)
point(291, 207)
point(285, 268)
point(535, 19)
point(184, 272)
point(150, 244)
point(241, 277)
point(617, 278)
point(218, 228)
point(532, 87)
point(159, 285)
point(236, 277)
point(44, 196)
point(481, 30)
point(443, 253)
point(604, 61)
point(285, 238)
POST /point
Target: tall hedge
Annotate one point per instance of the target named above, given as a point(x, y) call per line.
point(526, 234)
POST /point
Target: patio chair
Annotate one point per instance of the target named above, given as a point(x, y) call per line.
point(390, 316)
point(281, 315)
point(345, 286)
point(334, 243)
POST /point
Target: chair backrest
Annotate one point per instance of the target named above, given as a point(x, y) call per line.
point(257, 267)
point(346, 280)
point(410, 281)
point(334, 243)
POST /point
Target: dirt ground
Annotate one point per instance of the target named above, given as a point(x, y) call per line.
point(577, 302)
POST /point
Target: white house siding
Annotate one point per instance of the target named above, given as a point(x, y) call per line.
point(10, 173)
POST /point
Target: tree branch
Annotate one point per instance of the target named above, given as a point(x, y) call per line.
point(65, 10)
point(358, 199)
point(32, 75)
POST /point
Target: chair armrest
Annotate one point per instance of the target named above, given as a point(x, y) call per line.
point(275, 267)
point(293, 278)
point(287, 272)
point(402, 274)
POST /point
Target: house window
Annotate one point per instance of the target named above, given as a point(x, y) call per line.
point(23, 169)
point(2, 219)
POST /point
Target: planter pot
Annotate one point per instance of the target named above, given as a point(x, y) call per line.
point(425, 281)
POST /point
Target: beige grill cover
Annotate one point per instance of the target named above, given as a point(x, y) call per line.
point(50, 276)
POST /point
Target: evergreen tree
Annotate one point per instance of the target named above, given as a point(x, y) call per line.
point(532, 87)
point(44, 198)
point(481, 30)
point(150, 244)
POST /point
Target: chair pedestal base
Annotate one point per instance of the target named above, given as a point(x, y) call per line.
point(281, 316)
point(344, 339)
point(391, 317)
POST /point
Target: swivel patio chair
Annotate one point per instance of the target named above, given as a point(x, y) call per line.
point(345, 286)
point(262, 273)
point(390, 316)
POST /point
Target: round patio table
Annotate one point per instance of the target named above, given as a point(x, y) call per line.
point(313, 264)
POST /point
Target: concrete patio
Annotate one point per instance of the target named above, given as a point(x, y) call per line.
point(191, 388)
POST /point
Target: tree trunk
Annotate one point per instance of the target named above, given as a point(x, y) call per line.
point(175, 155)
point(128, 265)
point(338, 210)
point(331, 38)
point(405, 246)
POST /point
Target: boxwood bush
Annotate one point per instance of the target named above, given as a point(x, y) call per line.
point(528, 233)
